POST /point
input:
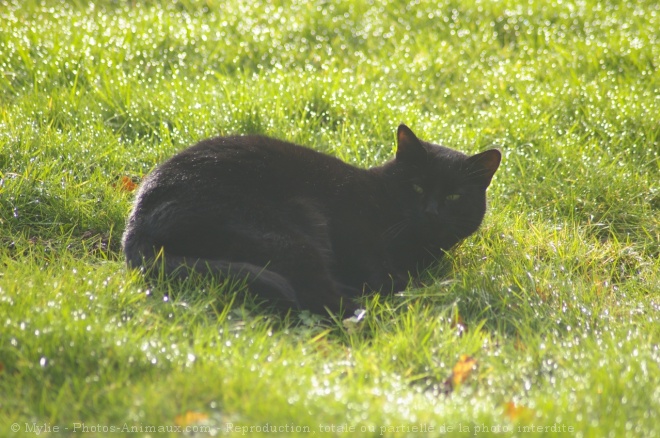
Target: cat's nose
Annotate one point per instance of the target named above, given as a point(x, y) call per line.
point(431, 208)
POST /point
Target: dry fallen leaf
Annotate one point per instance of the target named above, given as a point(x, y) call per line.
point(516, 413)
point(463, 369)
point(190, 418)
point(126, 184)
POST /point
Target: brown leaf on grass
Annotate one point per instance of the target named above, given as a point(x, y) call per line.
point(190, 418)
point(126, 184)
point(517, 413)
point(463, 369)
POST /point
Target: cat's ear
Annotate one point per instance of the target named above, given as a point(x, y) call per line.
point(408, 147)
point(482, 166)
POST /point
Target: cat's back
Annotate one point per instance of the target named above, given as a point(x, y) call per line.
point(250, 156)
point(237, 166)
point(247, 151)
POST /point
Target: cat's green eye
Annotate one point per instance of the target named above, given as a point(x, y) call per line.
point(454, 197)
point(418, 189)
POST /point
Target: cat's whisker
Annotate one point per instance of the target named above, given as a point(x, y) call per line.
point(395, 230)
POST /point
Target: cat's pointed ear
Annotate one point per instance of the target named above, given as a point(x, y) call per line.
point(482, 166)
point(408, 147)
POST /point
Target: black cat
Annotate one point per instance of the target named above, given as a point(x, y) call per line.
point(305, 229)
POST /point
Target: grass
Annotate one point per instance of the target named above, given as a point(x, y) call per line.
point(556, 298)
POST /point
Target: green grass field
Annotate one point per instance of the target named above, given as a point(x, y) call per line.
point(556, 300)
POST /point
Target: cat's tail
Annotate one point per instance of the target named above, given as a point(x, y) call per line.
point(260, 280)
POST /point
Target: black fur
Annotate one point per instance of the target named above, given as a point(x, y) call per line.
point(303, 228)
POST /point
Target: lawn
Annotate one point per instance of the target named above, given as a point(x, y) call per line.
point(546, 322)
